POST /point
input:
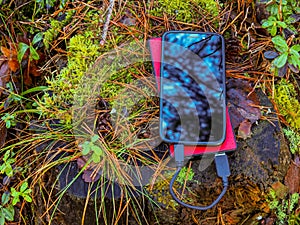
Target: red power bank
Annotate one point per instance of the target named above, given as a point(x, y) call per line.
point(190, 150)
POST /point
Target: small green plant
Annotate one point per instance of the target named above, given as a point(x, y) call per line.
point(7, 211)
point(90, 147)
point(273, 24)
point(23, 47)
point(287, 54)
point(186, 174)
point(281, 15)
point(283, 208)
point(294, 139)
point(6, 167)
point(9, 120)
point(24, 193)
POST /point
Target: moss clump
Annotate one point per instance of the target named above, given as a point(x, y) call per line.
point(284, 209)
point(160, 190)
point(55, 28)
point(294, 139)
point(186, 11)
point(287, 103)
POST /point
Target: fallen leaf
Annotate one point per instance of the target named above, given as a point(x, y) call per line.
point(245, 129)
point(241, 106)
point(11, 56)
point(89, 177)
point(270, 54)
point(280, 189)
point(3, 134)
point(4, 76)
point(34, 70)
point(292, 178)
point(13, 65)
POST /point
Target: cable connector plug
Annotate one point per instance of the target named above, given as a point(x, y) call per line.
point(222, 166)
point(179, 155)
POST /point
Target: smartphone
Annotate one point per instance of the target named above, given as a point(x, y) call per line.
point(192, 88)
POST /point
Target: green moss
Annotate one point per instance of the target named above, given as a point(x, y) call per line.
point(186, 11)
point(55, 28)
point(284, 209)
point(294, 139)
point(160, 190)
point(287, 103)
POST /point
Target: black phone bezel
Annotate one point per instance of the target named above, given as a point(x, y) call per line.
point(217, 142)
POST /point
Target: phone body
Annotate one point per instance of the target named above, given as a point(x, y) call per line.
point(192, 88)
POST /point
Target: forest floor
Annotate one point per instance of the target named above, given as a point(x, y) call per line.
point(79, 112)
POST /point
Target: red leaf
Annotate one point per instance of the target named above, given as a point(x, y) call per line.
point(292, 178)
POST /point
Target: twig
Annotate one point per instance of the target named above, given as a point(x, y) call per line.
point(106, 25)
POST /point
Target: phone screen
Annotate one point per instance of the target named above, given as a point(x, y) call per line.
point(192, 106)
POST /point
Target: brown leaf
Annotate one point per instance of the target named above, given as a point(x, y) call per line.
point(34, 70)
point(241, 106)
point(27, 78)
point(89, 177)
point(6, 52)
point(3, 134)
point(280, 189)
point(9, 53)
point(13, 65)
point(4, 76)
point(292, 178)
point(245, 129)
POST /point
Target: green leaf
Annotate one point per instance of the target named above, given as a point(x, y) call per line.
point(281, 60)
point(22, 49)
point(295, 48)
point(7, 123)
point(5, 198)
point(38, 37)
point(15, 200)
point(85, 150)
point(23, 186)
point(267, 23)
point(7, 153)
point(94, 138)
point(27, 198)
point(96, 158)
point(35, 89)
point(294, 60)
point(282, 24)
point(2, 219)
point(27, 192)
point(33, 53)
point(9, 213)
point(97, 150)
point(280, 43)
point(13, 191)
point(273, 31)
